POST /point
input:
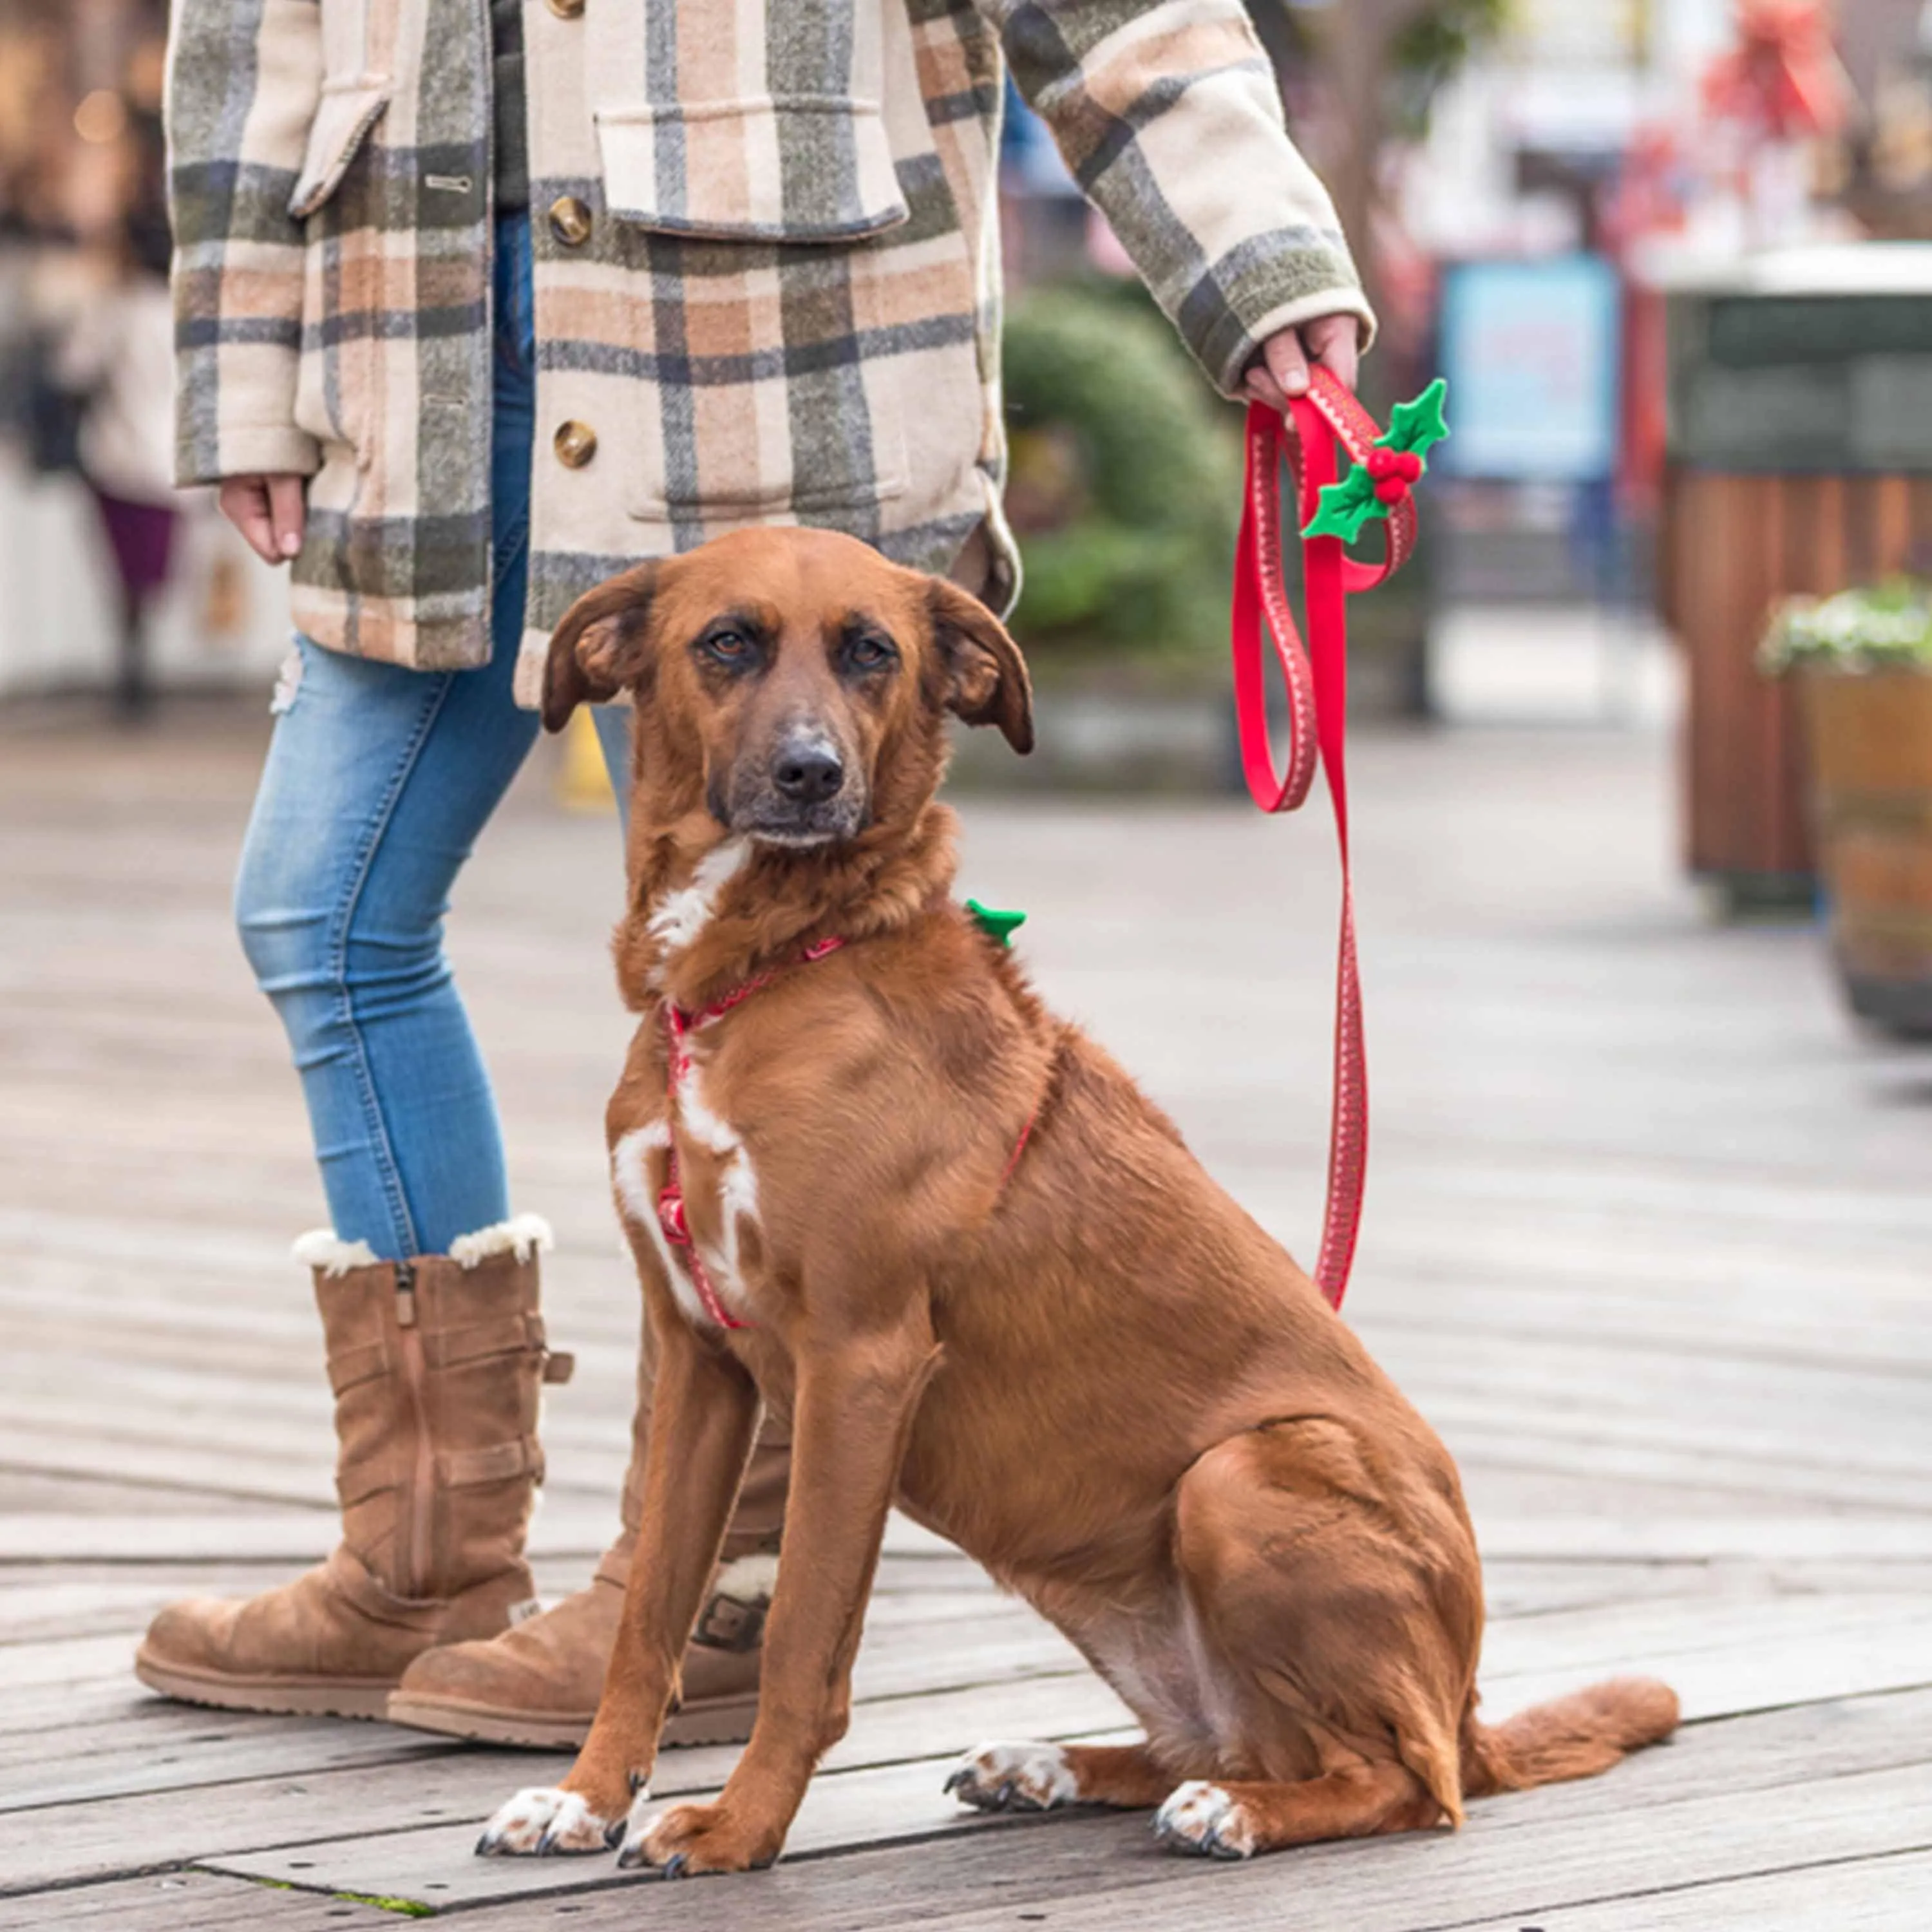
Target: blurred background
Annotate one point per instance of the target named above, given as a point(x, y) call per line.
point(1670, 257)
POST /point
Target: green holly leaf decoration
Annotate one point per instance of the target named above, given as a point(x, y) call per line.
point(1415, 428)
point(1419, 425)
point(999, 927)
point(1345, 506)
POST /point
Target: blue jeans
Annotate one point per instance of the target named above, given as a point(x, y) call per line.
point(378, 781)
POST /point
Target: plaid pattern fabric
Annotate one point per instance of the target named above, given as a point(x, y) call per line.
point(771, 295)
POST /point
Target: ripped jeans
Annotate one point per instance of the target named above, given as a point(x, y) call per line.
point(378, 781)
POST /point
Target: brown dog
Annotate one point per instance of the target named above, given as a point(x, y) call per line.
point(984, 1276)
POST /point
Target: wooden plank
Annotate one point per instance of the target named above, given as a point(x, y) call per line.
point(1722, 1659)
point(295, 1535)
point(1781, 1538)
point(1888, 1894)
point(192, 1902)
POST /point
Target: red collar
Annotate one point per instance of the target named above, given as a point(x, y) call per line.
point(681, 1020)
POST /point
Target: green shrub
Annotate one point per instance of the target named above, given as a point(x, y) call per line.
point(1881, 627)
point(1126, 482)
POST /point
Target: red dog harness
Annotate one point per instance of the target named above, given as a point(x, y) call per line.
point(1318, 696)
point(679, 1024)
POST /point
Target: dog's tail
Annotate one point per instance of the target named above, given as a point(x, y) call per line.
point(1576, 1736)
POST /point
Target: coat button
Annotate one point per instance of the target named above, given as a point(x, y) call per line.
point(566, 10)
point(575, 444)
point(570, 220)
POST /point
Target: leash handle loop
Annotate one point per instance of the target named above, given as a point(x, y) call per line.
point(1316, 680)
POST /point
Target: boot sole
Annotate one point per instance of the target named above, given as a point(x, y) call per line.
point(279, 1696)
point(723, 1721)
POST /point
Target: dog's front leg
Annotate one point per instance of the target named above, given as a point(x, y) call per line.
point(853, 1414)
point(704, 1411)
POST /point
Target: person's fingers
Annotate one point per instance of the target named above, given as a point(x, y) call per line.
point(244, 503)
point(1263, 388)
point(1334, 341)
point(1285, 362)
point(288, 511)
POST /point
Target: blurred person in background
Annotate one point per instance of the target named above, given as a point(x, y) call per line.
point(468, 321)
point(114, 354)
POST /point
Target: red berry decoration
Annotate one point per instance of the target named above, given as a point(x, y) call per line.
point(1389, 467)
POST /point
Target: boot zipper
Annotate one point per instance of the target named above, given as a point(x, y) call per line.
point(416, 1524)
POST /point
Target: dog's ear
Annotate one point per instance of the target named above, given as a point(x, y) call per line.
point(986, 677)
point(602, 647)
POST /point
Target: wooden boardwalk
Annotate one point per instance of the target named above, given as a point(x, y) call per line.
point(1649, 1238)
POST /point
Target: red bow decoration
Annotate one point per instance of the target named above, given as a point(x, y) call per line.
point(1783, 77)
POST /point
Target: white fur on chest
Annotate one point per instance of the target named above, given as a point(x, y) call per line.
point(639, 1163)
point(639, 1166)
point(678, 917)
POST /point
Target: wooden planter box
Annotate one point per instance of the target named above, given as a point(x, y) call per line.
point(1870, 743)
point(1800, 460)
point(1734, 545)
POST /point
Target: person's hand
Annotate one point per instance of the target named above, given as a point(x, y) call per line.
point(1330, 340)
point(268, 510)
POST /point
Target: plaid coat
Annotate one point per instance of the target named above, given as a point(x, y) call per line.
point(767, 272)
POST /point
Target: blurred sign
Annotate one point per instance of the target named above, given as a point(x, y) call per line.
point(1531, 351)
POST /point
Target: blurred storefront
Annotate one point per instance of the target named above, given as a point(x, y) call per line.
point(1526, 181)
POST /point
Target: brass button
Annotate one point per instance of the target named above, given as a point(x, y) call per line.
point(570, 220)
point(566, 10)
point(575, 444)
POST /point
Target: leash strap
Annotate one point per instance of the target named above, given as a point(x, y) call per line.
point(1316, 680)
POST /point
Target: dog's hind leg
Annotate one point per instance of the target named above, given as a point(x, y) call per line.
point(1043, 1777)
point(1237, 1818)
point(1336, 1603)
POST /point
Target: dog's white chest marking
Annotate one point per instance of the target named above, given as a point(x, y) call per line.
point(679, 917)
point(716, 1209)
point(716, 1213)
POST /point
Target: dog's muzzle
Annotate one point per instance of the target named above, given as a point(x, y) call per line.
point(806, 795)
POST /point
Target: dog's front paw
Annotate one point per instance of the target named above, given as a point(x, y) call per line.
point(690, 1839)
point(1202, 1818)
point(541, 1820)
point(1015, 1778)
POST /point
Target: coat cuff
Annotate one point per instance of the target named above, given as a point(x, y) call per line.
point(252, 449)
point(1236, 315)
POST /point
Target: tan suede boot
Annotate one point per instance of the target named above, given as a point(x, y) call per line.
point(538, 1684)
point(436, 1365)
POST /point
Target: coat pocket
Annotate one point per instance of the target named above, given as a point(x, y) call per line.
point(744, 122)
point(342, 124)
point(342, 271)
point(779, 170)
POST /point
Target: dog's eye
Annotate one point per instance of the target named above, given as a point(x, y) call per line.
point(726, 647)
point(869, 653)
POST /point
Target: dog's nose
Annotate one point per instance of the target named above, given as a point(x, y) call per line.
point(811, 774)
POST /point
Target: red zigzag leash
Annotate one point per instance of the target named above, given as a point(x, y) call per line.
point(1317, 681)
